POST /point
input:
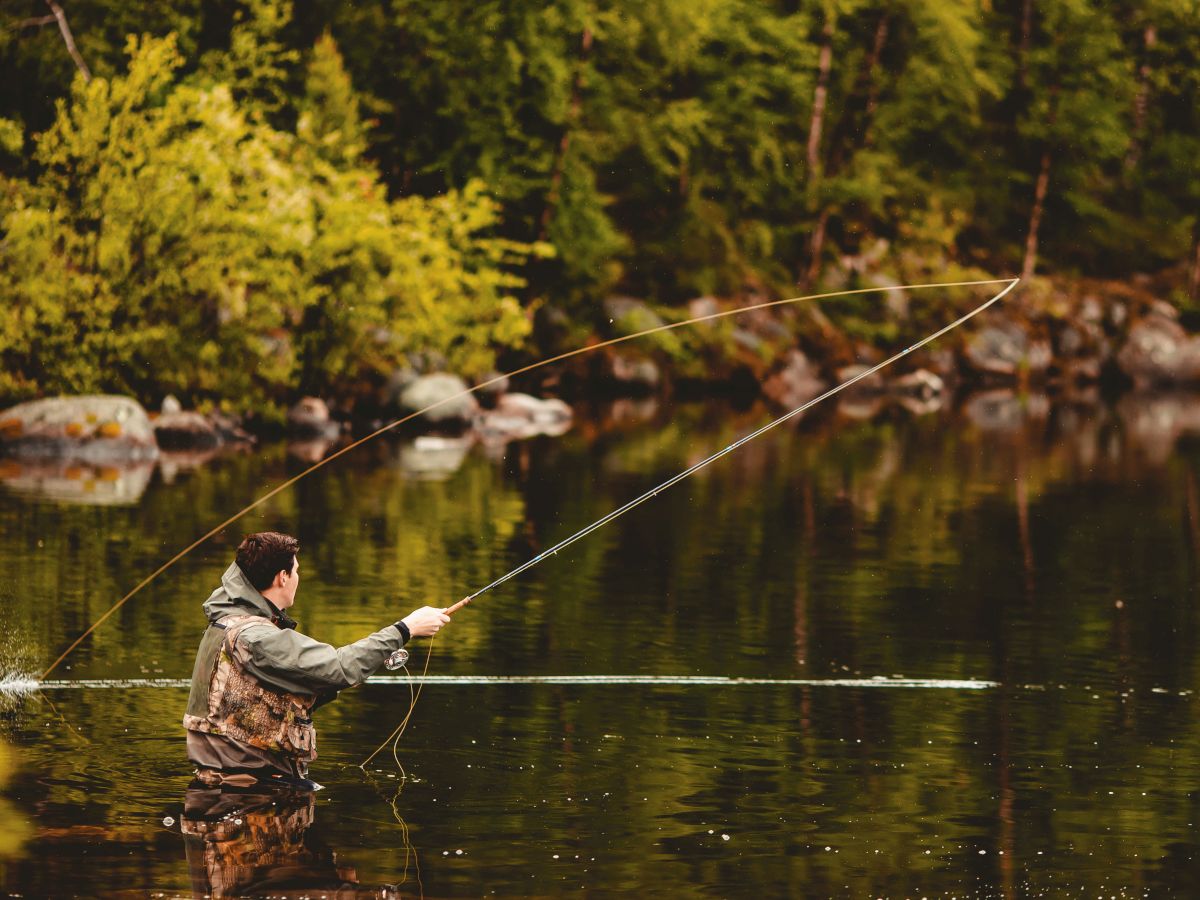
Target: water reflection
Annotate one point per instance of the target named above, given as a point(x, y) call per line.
point(256, 841)
point(73, 482)
point(14, 827)
point(1050, 548)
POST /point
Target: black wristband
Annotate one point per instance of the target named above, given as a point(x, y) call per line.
point(405, 634)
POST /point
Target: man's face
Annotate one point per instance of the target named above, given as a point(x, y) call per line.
point(291, 582)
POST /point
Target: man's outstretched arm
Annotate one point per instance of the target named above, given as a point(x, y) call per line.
point(297, 663)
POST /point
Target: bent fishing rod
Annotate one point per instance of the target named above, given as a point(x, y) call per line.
point(500, 378)
point(399, 658)
point(675, 479)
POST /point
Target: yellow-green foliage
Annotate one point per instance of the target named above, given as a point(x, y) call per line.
point(175, 243)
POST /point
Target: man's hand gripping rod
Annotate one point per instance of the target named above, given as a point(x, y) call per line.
point(400, 657)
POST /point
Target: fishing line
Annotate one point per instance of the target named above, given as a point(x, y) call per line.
point(394, 737)
point(675, 479)
point(529, 368)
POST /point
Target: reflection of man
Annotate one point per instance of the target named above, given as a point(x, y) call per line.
point(252, 841)
point(257, 680)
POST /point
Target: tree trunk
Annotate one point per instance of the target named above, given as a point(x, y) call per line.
point(816, 123)
point(816, 246)
point(1023, 46)
point(1035, 217)
point(881, 33)
point(824, 64)
point(564, 144)
point(1141, 100)
point(843, 141)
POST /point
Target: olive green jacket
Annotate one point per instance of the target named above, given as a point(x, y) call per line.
point(280, 657)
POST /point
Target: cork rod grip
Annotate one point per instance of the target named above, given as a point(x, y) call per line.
point(451, 610)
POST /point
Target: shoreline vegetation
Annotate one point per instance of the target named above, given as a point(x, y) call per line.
point(260, 206)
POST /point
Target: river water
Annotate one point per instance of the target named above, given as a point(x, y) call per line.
point(874, 653)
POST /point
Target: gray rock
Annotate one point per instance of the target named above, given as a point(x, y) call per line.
point(1004, 349)
point(797, 382)
point(442, 392)
point(186, 431)
point(400, 379)
point(170, 405)
point(229, 428)
point(633, 371)
point(309, 419)
point(492, 426)
point(1158, 351)
point(494, 385)
point(99, 429)
point(551, 411)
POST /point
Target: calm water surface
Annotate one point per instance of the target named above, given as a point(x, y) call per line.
point(1050, 550)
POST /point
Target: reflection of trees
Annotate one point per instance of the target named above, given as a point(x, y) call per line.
point(896, 546)
point(14, 827)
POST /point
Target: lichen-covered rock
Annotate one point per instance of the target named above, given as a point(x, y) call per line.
point(99, 429)
point(446, 396)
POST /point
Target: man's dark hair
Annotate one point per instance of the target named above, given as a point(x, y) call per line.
point(264, 555)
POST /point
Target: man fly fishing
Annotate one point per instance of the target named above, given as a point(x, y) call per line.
point(257, 680)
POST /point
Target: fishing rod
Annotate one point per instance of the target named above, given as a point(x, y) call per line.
point(471, 390)
point(400, 657)
point(675, 479)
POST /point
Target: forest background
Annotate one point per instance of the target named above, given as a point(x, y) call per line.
point(245, 202)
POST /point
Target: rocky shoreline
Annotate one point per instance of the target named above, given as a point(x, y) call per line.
point(1056, 337)
point(1059, 341)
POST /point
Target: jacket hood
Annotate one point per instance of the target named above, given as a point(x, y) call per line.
point(237, 597)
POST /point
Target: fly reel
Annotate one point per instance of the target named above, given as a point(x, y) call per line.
point(396, 660)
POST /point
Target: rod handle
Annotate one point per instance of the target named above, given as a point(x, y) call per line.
point(451, 610)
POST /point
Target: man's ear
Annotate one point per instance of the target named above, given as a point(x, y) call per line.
point(279, 578)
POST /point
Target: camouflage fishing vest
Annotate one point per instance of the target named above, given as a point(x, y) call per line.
point(242, 708)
